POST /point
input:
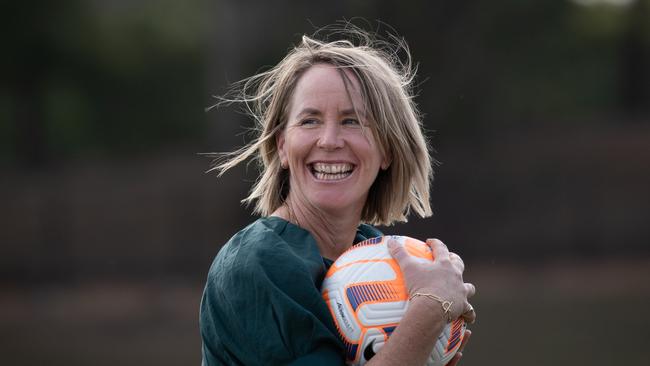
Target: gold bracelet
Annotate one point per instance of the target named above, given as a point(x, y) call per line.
point(446, 304)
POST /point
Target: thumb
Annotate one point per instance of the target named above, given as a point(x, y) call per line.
point(397, 250)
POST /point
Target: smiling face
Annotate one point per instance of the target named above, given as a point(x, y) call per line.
point(332, 160)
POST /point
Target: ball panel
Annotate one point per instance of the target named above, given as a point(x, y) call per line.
point(376, 251)
point(381, 314)
point(448, 343)
point(371, 293)
point(364, 271)
point(417, 249)
point(373, 340)
point(344, 319)
point(456, 335)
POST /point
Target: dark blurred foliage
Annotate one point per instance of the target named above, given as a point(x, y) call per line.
point(539, 112)
point(99, 77)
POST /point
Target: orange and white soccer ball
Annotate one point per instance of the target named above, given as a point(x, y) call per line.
point(366, 294)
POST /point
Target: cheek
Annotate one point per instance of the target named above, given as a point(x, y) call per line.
point(367, 150)
point(296, 147)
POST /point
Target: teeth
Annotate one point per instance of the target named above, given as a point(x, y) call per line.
point(325, 171)
point(324, 176)
point(332, 168)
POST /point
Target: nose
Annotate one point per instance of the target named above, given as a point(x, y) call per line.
point(330, 137)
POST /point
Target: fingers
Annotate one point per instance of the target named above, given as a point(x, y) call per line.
point(439, 248)
point(469, 315)
point(448, 281)
point(397, 251)
point(440, 251)
point(454, 361)
point(457, 260)
point(471, 289)
point(459, 354)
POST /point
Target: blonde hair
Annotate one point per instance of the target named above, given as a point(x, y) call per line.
point(386, 85)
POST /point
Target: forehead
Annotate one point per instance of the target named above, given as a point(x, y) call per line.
point(323, 84)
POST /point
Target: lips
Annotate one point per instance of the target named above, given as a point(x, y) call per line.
point(331, 171)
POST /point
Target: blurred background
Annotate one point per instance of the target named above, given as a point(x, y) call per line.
point(539, 112)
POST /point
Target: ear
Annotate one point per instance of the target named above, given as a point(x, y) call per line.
point(279, 142)
point(387, 159)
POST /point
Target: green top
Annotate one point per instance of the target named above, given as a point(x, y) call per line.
point(262, 303)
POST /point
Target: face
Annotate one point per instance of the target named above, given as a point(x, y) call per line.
point(328, 147)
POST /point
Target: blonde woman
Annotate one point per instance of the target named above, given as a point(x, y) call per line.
point(340, 148)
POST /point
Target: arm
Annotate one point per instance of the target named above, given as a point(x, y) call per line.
point(259, 324)
point(261, 307)
point(415, 337)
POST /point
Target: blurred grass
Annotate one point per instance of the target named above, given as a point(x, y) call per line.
point(591, 313)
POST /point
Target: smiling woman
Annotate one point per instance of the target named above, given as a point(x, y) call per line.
point(340, 148)
point(332, 162)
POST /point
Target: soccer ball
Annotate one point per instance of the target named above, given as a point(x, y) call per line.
point(366, 294)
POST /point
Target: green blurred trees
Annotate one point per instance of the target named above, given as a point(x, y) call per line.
point(82, 77)
point(515, 63)
point(93, 77)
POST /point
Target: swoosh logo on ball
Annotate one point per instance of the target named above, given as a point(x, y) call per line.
point(368, 352)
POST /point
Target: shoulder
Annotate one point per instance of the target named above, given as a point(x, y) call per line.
point(264, 285)
point(365, 231)
point(250, 245)
point(269, 250)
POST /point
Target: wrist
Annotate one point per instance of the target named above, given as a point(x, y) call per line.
point(437, 302)
point(429, 313)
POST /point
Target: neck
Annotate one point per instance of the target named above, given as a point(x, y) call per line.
point(334, 232)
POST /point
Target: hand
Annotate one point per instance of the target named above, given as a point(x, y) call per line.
point(443, 277)
point(456, 359)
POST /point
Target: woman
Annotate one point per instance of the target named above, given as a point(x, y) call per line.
point(340, 147)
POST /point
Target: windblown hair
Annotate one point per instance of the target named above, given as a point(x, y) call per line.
point(386, 83)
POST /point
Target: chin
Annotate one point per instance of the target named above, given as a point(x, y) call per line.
point(333, 202)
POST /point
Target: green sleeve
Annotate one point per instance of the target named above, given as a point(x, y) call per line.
point(262, 305)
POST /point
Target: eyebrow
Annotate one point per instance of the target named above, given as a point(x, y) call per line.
point(315, 112)
point(309, 111)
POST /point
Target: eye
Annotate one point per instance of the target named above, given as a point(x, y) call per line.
point(351, 122)
point(308, 122)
